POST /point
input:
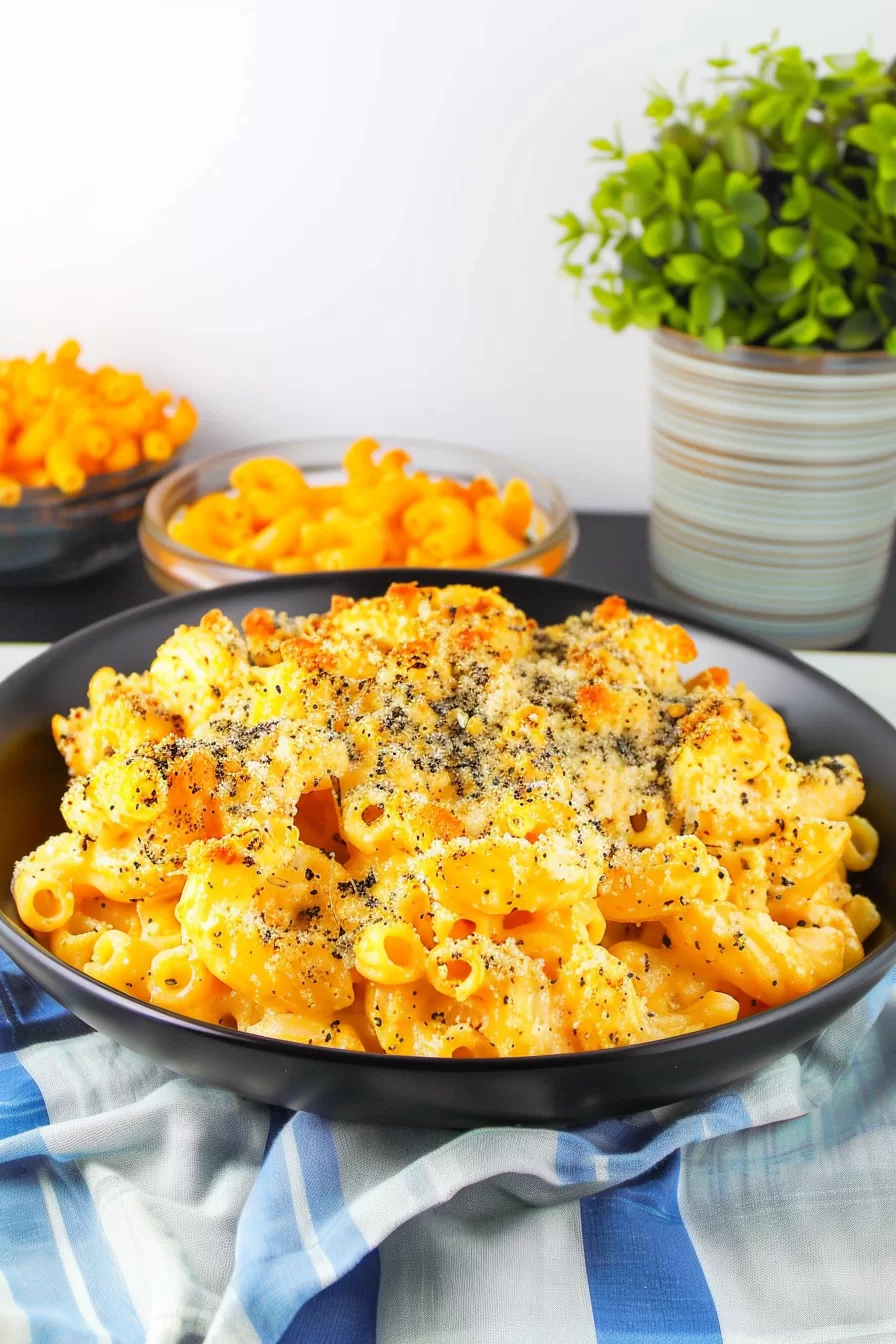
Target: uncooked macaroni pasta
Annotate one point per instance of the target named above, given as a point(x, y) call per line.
point(421, 824)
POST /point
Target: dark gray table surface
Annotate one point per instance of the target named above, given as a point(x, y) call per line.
point(612, 555)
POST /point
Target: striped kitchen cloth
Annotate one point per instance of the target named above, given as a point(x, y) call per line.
point(137, 1206)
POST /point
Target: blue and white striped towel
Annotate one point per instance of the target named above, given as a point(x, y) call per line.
point(135, 1205)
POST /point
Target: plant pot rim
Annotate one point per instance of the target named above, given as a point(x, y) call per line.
point(779, 361)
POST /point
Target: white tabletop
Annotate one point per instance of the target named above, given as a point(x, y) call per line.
point(872, 676)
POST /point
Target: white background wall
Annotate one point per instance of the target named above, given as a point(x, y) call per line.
point(332, 215)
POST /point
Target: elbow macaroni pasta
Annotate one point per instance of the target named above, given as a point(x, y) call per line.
point(60, 424)
point(274, 519)
point(420, 824)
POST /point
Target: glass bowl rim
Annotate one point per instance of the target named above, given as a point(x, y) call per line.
point(97, 488)
point(156, 526)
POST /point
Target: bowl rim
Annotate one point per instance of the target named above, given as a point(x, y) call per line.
point(96, 488)
point(155, 526)
point(862, 976)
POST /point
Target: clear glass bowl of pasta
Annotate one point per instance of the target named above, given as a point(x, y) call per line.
point(50, 537)
point(550, 541)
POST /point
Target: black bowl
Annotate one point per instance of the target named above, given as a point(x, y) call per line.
point(545, 1090)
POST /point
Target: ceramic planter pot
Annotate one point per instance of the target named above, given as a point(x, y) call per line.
point(773, 487)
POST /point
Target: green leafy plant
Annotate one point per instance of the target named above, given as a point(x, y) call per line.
point(765, 213)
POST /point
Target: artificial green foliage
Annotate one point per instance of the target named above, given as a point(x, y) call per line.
point(765, 213)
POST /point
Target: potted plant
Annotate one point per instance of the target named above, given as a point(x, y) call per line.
point(756, 240)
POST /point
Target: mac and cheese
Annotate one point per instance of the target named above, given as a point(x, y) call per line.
point(420, 824)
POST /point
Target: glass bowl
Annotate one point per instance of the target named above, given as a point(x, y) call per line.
point(50, 537)
point(176, 568)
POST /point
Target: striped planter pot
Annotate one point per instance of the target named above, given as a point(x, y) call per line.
point(774, 487)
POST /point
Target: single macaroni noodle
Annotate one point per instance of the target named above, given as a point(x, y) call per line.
point(421, 824)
